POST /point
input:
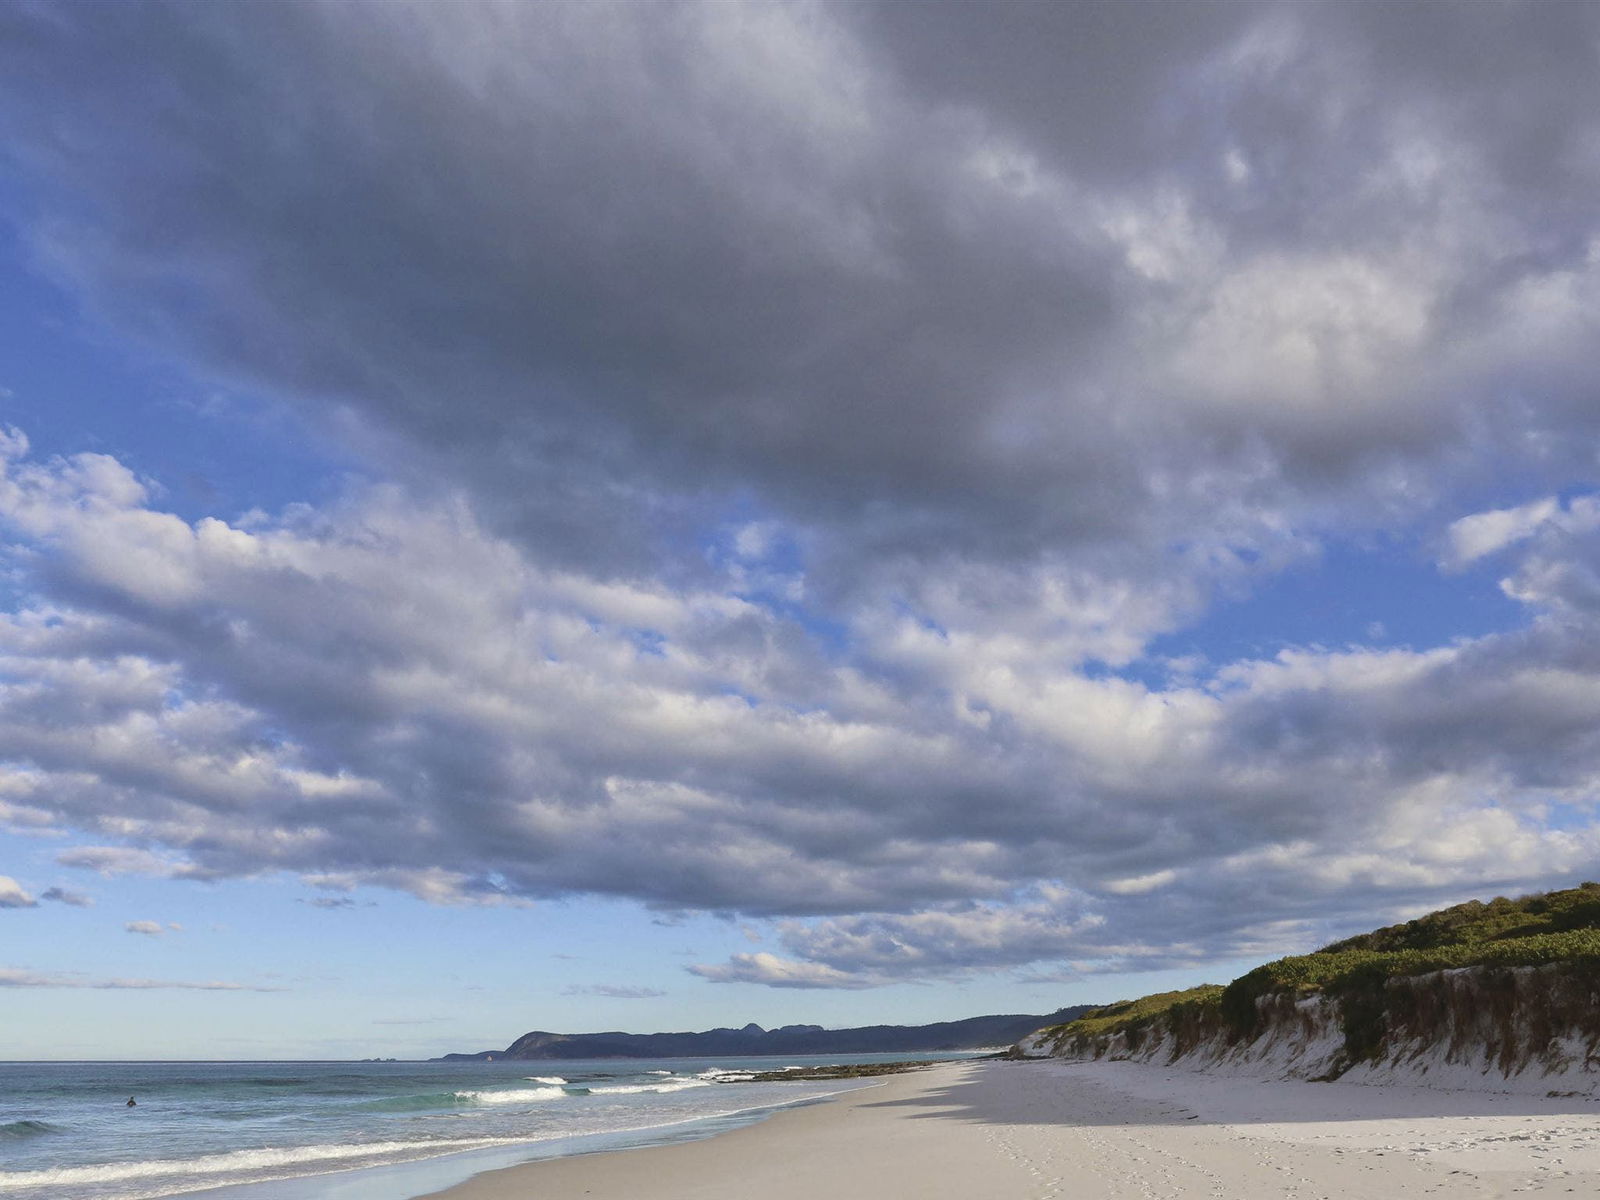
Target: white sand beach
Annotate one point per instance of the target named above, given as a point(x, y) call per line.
point(1103, 1131)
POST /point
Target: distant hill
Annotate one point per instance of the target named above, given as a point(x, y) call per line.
point(1501, 991)
point(970, 1034)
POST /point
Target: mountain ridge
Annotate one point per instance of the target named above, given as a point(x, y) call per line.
point(967, 1034)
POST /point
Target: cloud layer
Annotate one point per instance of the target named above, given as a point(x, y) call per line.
point(613, 991)
point(795, 423)
point(391, 695)
point(891, 271)
point(11, 978)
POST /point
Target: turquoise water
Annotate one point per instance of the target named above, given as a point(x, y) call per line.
point(66, 1132)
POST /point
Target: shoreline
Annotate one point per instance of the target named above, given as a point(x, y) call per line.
point(414, 1178)
point(369, 1131)
point(1052, 1128)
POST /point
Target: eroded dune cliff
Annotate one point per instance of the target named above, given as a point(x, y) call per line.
point(1523, 1017)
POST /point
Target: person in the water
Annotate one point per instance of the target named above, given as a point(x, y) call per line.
point(131, 1103)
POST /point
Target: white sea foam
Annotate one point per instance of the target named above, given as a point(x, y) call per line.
point(634, 1089)
point(514, 1095)
point(236, 1162)
point(137, 1158)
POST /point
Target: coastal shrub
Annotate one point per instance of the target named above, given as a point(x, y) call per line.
point(1357, 978)
point(1476, 921)
point(1561, 927)
point(1115, 1017)
point(1363, 1011)
point(1166, 1012)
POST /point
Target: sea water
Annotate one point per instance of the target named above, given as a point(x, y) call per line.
point(67, 1133)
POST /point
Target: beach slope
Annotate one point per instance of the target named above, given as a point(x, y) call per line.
point(1099, 1131)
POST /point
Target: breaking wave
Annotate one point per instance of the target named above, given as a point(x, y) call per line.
point(635, 1089)
point(236, 1163)
point(513, 1095)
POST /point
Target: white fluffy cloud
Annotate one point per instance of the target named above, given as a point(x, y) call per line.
point(12, 894)
point(387, 694)
point(793, 449)
point(1473, 537)
point(772, 971)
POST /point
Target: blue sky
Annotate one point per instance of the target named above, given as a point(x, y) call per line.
point(663, 517)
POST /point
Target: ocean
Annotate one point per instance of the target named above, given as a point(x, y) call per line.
point(355, 1131)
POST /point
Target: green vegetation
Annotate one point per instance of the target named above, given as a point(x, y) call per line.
point(1146, 1010)
point(1358, 978)
point(1475, 922)
point(1555, 927)
point(1166, 1013)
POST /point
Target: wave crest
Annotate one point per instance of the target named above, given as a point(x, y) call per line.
point(238, 1161)
point(513, 1095)
point(634, 1089)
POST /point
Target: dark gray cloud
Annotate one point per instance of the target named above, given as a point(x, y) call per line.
point(781, 406)
point(61, 895)
point(916, 277)
point(611, 249)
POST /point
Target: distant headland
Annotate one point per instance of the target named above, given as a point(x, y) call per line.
point(969, 1034)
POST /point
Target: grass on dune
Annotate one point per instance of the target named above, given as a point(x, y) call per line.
point(1552, 927)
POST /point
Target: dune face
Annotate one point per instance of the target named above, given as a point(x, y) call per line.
point(1502, 996)
point(1524, 1029)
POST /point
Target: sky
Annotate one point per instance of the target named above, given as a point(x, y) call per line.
point(621, 516)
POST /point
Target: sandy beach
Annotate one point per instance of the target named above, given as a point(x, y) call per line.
point(1098, 1131)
